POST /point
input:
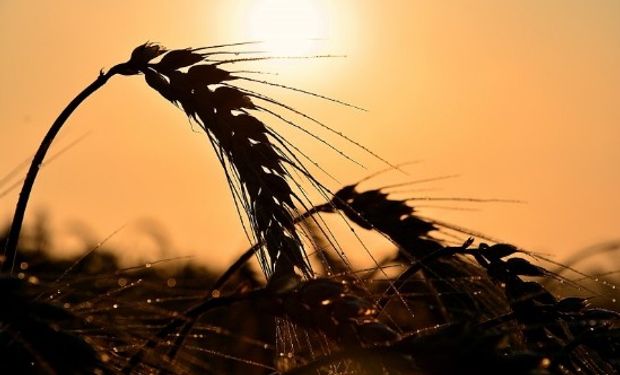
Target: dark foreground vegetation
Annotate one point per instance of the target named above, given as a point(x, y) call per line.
point(448, 300)
point(452, 315)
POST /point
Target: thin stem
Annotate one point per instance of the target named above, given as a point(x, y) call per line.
point(221, 282)
point(10, 248)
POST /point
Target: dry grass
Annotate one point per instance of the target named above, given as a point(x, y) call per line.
point(449, 301)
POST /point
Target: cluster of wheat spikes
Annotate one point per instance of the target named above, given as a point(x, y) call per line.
point(468, 307)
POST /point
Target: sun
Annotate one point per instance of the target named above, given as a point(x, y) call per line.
point(290, 27)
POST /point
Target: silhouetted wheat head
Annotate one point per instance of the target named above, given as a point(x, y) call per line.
point(256, 166)
point(257, 160)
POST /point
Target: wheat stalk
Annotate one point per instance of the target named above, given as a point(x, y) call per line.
point(251, 154)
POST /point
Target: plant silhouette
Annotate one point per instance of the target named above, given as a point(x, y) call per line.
point(448, 300)
point(256, 158)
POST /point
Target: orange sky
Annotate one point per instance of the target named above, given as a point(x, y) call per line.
point(517, 97)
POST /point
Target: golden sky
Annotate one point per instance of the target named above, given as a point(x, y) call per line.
point(519, 98)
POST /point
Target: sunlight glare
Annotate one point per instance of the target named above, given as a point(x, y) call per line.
point(289, 27)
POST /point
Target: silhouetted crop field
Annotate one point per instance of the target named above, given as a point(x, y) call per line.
point(446, 300)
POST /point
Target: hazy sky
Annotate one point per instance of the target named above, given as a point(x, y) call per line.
point(519, 98)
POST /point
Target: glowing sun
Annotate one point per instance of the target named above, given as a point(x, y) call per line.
point(290, 27)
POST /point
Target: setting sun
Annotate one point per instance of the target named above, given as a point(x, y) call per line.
point(288, 27)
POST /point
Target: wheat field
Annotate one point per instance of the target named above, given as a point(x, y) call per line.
point(446, 300)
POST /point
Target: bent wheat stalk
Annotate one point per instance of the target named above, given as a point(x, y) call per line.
point(10, 248)
point(255, 165)
point(139, 58)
